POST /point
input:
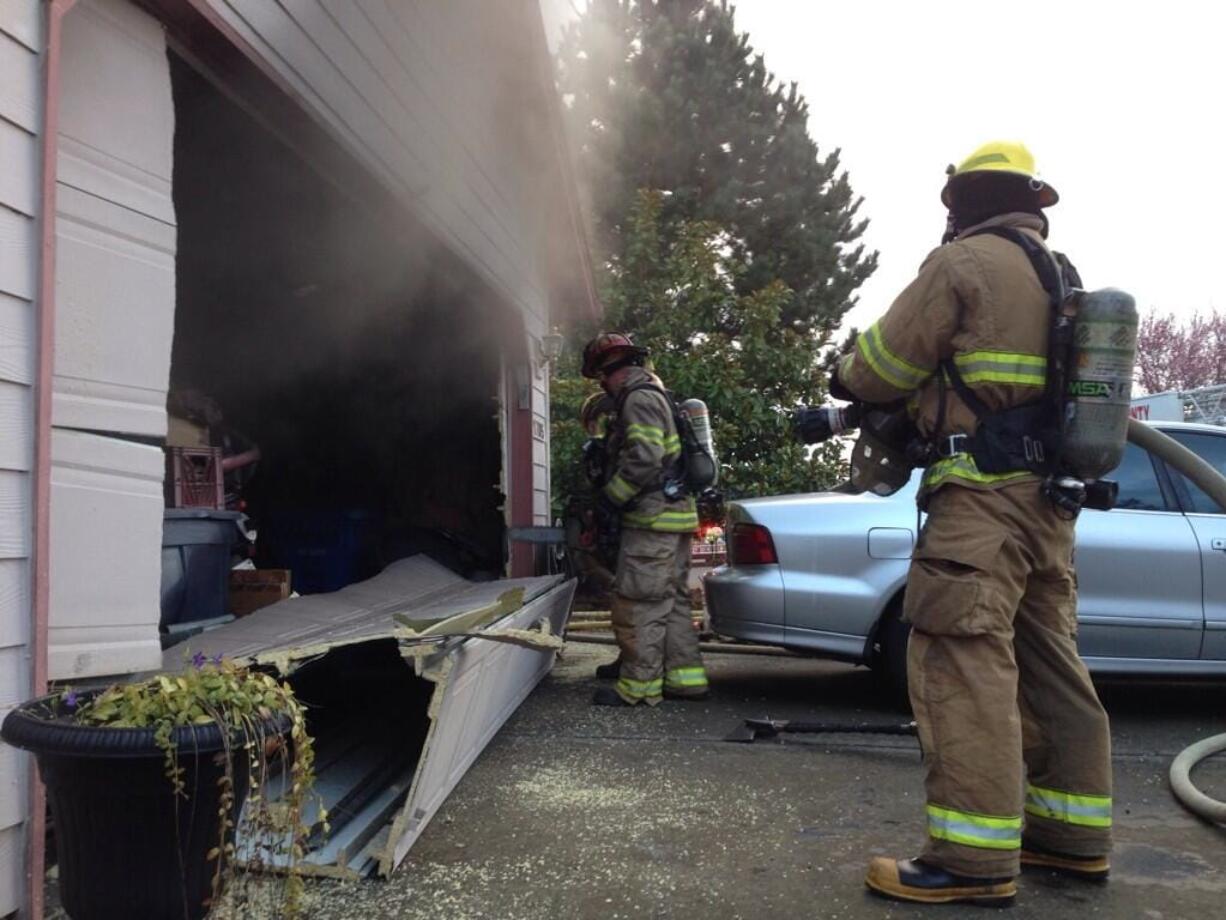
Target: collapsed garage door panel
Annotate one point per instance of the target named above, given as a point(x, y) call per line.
point(115, 284)
point(298, 629)
point(116, 116)
point(106, 538)
point(488, 683)
point(116, 227)
point(468, 680)
point(115, 277)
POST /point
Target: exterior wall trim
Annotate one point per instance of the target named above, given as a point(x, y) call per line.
point(41, 484)
point(522, 557)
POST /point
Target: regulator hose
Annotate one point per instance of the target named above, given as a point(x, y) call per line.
point(1213, 484)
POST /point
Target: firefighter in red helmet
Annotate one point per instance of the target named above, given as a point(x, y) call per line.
point(651, 599)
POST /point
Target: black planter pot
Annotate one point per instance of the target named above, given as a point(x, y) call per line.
point(128, 847)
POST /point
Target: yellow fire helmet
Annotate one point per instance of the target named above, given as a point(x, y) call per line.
point(1001, 156)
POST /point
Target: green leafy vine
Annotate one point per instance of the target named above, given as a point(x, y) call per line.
point(256, 714)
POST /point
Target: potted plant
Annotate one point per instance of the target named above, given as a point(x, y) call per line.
point(147, 783)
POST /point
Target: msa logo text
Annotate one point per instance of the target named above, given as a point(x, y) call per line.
point(1089, 389)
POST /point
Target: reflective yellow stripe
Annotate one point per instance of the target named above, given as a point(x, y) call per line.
point(962, 466)
point(1082, 810)
point(648, 433)
point(619, 491)
point(640, 689)
point(987, 832)
point(651, 430)
point(666, 521)
point(670, 444)
point(686, 677)
point(1002, 367)
point(639, 436)
point(675, 527)
point(898, 373)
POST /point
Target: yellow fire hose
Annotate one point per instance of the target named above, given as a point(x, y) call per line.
point(1212, 484)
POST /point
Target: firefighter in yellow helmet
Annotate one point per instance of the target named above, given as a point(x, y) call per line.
point(1016, 744)
point(592, 541)
point(595, 415)
point(651, 598)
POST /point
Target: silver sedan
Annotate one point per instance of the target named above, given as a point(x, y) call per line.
point(825, 573)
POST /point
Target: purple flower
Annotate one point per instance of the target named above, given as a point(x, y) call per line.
point(216, 659)
point(198, 660)
point(70, 699)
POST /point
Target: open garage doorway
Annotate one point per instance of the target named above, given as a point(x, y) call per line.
point(360, 363)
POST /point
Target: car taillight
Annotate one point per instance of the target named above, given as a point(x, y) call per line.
point(752, 545)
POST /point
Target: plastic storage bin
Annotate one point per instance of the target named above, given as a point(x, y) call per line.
point(325, 550)
point(196, 547)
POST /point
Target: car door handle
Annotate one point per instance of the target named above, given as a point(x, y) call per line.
point(1218, 543)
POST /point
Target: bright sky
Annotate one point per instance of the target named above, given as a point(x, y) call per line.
point(1121, 103)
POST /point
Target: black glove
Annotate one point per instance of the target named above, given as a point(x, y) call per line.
point(837, 390)
point(813, 426)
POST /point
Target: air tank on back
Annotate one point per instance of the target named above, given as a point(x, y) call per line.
point(700, 422)
point(1101, 360)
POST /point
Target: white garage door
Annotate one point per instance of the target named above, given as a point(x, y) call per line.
point(115, 291)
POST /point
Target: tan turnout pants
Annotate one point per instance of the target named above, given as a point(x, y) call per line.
point(652, 620)
point(1015, 740)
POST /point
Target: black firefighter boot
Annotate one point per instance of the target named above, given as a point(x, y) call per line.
point(607, 696)
point(914, 880)
point(700, 697)
point(610, 671)
point(1086, 868)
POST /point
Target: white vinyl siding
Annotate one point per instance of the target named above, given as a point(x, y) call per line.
point(20, 121)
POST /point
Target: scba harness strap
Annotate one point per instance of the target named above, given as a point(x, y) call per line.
point(1030, 436)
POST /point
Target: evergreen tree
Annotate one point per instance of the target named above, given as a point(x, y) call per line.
point(683, 286)
point(667, 95)
point(723, 241)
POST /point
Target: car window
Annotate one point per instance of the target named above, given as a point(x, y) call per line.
point(1211, 448)
point(1139, 487)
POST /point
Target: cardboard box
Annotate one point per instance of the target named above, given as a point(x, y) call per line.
point(182, 433)
point(251, 589)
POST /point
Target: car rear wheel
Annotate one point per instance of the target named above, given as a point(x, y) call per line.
point(892, 636)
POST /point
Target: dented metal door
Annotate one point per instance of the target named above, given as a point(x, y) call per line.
point(483, 646)
point(115, 294)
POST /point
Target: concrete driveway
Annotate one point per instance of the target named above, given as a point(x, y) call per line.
point(585, 813)
point(579, 812)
